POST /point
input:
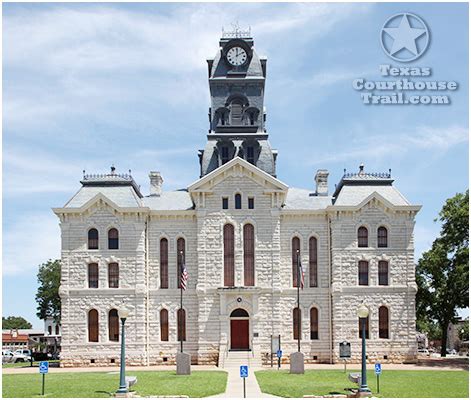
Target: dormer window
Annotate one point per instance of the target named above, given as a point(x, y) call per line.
point(236, 112)
point(250, 156)
point(225, 154)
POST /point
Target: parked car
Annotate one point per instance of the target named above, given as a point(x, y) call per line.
point(21, 355)
point(424, 352)
point(7, 356)
point(451, 352)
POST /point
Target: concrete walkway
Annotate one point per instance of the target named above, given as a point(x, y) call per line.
point(235, 389)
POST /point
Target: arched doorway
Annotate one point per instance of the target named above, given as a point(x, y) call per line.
point(239, 330)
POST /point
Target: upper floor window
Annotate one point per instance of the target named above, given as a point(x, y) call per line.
point(93, 275)
point(225, 154)
point(163, 263)
point(362, 237)
point(180, 260)
point(295, 247)
point(93, 325)
point(383, 272)
point(238, 201)
point(383, 322)
point(49, 330)
point(314, 323)
point(313, 262)
point(113, 239)
point(113, 325)
point(249, 255)
point(237, 109)
point(382, 237)
point(164, 325)
point(225, 203)
point(228, 240)
point(363, 273)
point(113, 275)
point(251, 203)
point(57, 329)
point(250, 154)
point(367, 327)
point(296, 323)
point(93, 239)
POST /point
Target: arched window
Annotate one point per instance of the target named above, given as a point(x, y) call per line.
point(163, 263)
point(164, 325)
point(180, 260)
point(93, 326)
point(239, 312)
point(93, 239)
point(383, 272)
point(93, 275)
point(314, 323)
point(238, 201)
point(295, 247)
point(249, 255)
point(49, 330)
point(383, 322)
point(113, 325)
point(237, 110)
point(113, 275)
point(367, 327)
point(228, 234)
point(313, 262)
point(382, 237)
point(57, 329)
point(113, 239)
point(296, 323)
point(363, 273)
point(181, 322)
point(362, 237)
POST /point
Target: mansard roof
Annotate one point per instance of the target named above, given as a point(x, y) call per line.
point(122, 196)
point(303, 199)
point(170, 201)
point(354, 195)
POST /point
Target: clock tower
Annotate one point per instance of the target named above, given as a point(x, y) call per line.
point(237, 115)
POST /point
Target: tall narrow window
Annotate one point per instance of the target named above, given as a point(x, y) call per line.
point(314, 323)
point(57, 329)
point(163, 263)
point(250, 154)
point(383, 322)
point(236, 112)
point(296, 323)
point(383, 272)
point(93, 275)
point(251, 203)
point(49, 330)
point(225, 203)
point(113, 239)
point(367, 327)
point(363, 273)
point(225, 154)
point(382, 237)
point(113, 275)
point(238, 201)
point(362, 237)
point(313, 262)
point(181, 322)
point(93, 239)
point(228, 234)
point(113, 325)
point(295, 246)
point(93, 326)
point(164, 325)
point(180, 260)
point(249, 255)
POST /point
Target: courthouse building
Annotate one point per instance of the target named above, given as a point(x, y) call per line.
point(239, 231)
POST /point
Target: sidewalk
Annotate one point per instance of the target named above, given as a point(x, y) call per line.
point(235, 387)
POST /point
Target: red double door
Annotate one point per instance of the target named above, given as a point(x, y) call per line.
point(240, 334)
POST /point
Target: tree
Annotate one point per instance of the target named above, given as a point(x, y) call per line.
point(47, 297)
point(442, 273)
point(464, 331)
point(15, 323)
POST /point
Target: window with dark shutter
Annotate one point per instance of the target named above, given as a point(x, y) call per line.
point(382, 237)
point(362, 237)
point(250, 154)
point(93, 275)
point(113, 325)
point(113, 239)
point(238, 201)
point(57, 329)
point(363, 273)
point(113, 275)
point(383, 322)
point(367, 327)
point(383, 272)
point(225, 203)
point(180, 260)
point(295, 246)
point(225, 154)
point(93, 326)
point(228, 233)
point(296, 323)
point(164, 325)
point(249, 255)
point(313, 262)
point(251, 203)
point(93, 239)
point(181, 322)
point(163, 263)
point(314, 323)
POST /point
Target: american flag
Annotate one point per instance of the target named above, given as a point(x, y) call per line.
point(184, 277)
point(301, 273)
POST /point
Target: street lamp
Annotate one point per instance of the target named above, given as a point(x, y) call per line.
point(123, 313)
point(362, 313)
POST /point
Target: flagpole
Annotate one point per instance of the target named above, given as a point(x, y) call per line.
point(181, 302)
point(299, 310)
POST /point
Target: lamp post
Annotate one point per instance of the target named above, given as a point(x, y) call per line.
point(362, 313)
point(123, 313)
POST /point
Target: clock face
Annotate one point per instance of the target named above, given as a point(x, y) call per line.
point(236, 56)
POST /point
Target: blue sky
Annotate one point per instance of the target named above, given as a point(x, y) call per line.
point(90, 85)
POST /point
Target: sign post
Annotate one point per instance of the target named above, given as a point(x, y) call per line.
point(378, 373)
point(344, 353)
point(279, 354)
point(43, 370)
point(244, 373)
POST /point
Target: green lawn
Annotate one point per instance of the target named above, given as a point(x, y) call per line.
point(104, 384)
point(392, 383)
point(26, 364)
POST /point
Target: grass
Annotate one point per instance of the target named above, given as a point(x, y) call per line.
point(26, 364)
point(392, 383)
point(104, 384)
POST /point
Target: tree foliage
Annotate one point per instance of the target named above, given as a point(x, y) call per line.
point(15, 323)
point(47, 296)
point(443, 272)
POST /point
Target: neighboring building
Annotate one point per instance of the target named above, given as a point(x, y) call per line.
point(453, 340)
point(17, 339)
point(52, 336)
point(238, 230)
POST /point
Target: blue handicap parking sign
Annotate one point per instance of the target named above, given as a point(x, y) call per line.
point(279, 353)
point(377, 369)
point(244, 371)
point(43, 367)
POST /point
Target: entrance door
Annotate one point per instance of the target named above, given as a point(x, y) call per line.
point(239, 334)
